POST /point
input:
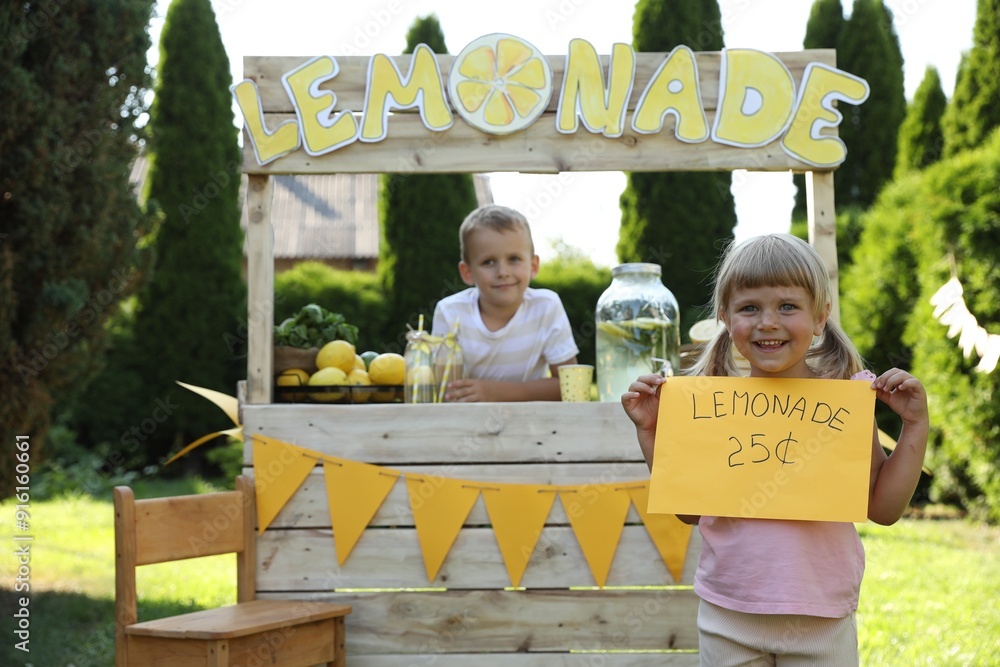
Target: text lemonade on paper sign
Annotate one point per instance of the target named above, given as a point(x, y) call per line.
point(763, 448)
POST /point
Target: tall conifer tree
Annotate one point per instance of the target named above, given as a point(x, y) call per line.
point(420, 215)
point(72, 86)
point(826, 20)
point(195, 303)
point(975, 107)
point(676, 219)
point(921, 140)
point(869, 48)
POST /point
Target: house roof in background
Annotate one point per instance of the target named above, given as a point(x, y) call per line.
point(323, 216)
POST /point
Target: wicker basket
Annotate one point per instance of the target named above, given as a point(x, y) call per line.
point(295, 357)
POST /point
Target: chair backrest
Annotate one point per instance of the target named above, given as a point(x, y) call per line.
point(160, 530)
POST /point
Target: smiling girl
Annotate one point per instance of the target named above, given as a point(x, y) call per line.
point(776, 592)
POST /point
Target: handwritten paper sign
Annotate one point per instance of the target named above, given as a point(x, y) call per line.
point(763, 448)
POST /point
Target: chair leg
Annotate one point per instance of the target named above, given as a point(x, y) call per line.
point(339, 635)
point(218, 653)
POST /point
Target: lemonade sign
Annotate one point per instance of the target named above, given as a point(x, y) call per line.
point(500, 84)
point(763, 448)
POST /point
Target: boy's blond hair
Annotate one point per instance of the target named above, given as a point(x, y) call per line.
point(495, 217)
point(778, 260)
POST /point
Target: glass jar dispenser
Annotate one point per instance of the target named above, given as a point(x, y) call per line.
point(638, 329)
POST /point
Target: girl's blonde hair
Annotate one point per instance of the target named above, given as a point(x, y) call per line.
point(778, 260)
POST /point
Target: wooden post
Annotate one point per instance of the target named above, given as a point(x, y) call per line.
point(823, 229)
point(126, 602)
point(246, 560)
point(260, 289)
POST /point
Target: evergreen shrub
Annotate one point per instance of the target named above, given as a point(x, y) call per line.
point(579, 283)
point(356, 295)
point(922, 228)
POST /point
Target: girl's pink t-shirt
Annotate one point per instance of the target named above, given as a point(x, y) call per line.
point(764, 566)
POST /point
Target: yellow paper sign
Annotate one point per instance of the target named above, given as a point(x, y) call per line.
point(763, 448)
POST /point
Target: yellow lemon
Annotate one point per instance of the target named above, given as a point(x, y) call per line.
point(293, 377)
point(336, 354)
point(390, 396)
point(388, 368)
point(500, 83)
point(703, 331)
point(359, 378)
point(359, 363)
point(328, 377)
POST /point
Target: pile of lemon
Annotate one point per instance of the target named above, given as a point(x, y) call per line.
point(339, 365)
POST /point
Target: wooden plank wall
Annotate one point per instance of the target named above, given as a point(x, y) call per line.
point(469, 615)
point(411, 148)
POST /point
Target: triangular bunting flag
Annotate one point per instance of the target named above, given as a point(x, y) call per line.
point(597, 523)
point(355, 491)
point(279, 470)
point(518, 513)
point(228, 404)
point(669, 534)
point(440, 507)
point(235, 432)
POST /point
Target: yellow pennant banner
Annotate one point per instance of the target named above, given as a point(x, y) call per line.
point(440, 506)
point(763, 448)
point(518, 512)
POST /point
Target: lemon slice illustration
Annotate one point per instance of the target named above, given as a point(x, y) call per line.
point(500, 83)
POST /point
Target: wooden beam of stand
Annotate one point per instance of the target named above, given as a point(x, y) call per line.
point(823, 230)
point(260, 289)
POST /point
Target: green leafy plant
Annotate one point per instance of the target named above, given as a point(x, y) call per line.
point(314, 326)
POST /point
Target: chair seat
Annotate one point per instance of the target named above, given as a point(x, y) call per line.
point(238, 620)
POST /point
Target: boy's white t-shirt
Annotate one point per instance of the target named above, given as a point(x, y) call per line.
point(537, 336)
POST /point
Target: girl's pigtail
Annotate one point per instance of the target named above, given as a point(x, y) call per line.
point(716, 359)
point(835, 356)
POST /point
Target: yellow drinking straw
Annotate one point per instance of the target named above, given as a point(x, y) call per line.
point(413, 392)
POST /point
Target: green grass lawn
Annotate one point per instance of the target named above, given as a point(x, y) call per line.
point(930, 595)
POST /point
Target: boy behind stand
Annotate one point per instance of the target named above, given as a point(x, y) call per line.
point(513, 337)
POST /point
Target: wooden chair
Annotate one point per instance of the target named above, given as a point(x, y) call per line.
point(291, 633)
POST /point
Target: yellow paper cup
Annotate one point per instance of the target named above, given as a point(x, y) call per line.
point(574, 382)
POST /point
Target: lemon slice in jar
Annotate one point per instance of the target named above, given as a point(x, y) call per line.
point(613, 330)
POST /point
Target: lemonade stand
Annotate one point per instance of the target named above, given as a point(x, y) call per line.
point(516, 533)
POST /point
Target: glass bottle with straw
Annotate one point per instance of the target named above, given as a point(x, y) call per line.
point(449, 361)
point(420, 383)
